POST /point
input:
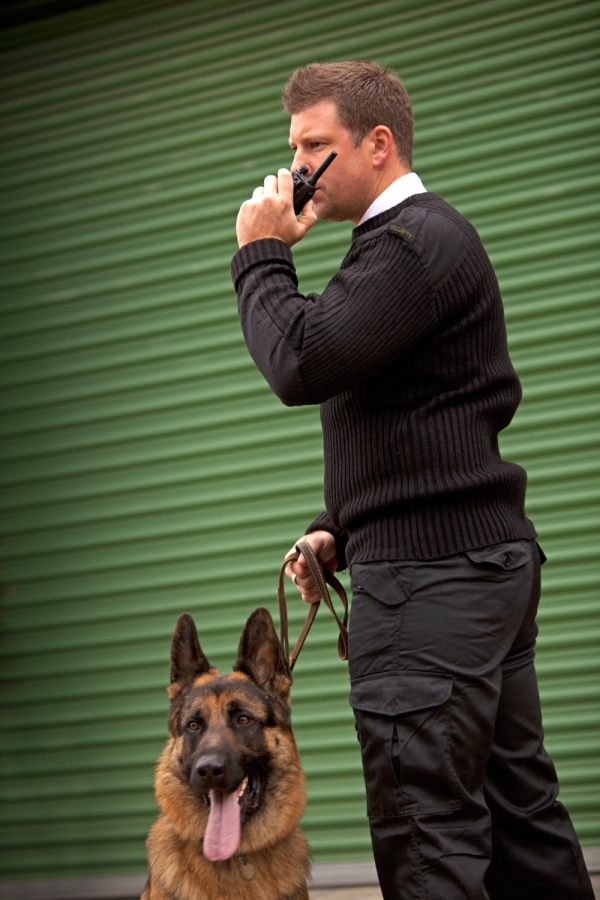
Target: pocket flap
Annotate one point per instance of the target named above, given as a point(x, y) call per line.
point(379, 580)
point(395, 693)
point(510, 555)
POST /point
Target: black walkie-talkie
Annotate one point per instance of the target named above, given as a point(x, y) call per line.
point(304, 188)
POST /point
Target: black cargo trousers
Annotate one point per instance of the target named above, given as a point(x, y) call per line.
point(461, 795)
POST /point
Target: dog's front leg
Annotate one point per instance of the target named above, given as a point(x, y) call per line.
point(300, 893)
point(153, 892)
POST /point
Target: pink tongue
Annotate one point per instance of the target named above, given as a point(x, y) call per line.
point(224, 829)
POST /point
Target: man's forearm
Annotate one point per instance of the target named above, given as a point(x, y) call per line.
point(311, 348)
point(270, 307)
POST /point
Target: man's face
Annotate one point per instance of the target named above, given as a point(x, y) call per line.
point(346, 189)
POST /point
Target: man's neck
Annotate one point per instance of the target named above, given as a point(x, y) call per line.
point(382, 183)
point(396, 191)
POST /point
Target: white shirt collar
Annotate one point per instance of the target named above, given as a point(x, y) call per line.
point(395, 193)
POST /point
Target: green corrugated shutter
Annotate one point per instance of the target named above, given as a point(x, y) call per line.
point(148, 470)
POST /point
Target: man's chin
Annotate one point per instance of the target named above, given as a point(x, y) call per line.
point(328, 211)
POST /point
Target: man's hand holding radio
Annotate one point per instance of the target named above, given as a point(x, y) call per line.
point(270, 213)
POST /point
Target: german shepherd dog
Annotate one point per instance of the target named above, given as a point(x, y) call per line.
point(229, 782)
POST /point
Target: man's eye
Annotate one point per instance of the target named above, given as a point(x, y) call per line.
point(244, 719)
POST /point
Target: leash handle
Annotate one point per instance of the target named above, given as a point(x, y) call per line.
point(322, 576)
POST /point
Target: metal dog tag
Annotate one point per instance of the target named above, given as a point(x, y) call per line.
point(247, 869)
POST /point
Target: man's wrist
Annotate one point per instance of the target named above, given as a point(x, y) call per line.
point(256, 253)
point(261, 237)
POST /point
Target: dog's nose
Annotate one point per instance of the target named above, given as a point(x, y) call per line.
point(215, 769)
point(212, 769)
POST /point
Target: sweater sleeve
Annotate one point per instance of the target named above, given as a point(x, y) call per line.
point(324, 522)
point(310, 348)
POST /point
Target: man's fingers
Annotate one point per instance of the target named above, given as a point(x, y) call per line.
point(308, 217)
point(290, 573)
point(298, 571)
point(308, 589)
point(285, 185)
point(323, 544)
point(270, 189)
point(296, 567)
point(270, 213)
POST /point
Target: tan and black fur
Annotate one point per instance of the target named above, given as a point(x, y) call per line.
point(228, 731)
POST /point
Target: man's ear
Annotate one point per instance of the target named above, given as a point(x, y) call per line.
point(261, 656)
point(187, 659)
point(383, 146)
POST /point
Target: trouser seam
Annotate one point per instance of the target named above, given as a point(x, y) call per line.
point(407, 584)
point(419, 871)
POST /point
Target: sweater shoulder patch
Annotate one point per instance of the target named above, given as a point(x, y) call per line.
point(439, 242)
point(403, 233)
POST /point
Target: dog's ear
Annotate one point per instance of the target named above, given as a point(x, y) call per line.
point(261, 655)
point(187, 659)
point(187, 662)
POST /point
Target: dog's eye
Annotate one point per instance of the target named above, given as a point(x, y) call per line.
point(244, 719)
point(193, 725)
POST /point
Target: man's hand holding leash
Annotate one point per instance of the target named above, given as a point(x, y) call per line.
point(323, 544)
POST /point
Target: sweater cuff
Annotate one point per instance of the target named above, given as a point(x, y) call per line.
point(255, 253)
point(323, 523)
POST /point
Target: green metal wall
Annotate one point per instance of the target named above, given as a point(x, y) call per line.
point(146, 467)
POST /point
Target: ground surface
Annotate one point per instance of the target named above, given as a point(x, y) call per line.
point(355, 893)
point(373, 893)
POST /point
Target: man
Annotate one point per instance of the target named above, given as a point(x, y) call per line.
point(406, 353)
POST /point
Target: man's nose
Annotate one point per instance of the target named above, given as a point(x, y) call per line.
point(297, 162)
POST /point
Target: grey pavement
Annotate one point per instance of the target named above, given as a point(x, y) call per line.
point(373, 893)
point(349, 893)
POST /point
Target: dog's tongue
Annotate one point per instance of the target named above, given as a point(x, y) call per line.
point(224, 829)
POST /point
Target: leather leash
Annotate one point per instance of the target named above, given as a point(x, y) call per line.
point(321, 575)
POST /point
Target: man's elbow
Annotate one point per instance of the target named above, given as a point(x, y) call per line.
point(288, 388)
point(282, 372)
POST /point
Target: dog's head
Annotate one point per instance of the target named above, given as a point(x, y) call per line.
point(232, 747)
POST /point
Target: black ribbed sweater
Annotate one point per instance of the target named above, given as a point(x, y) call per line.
point(406, 352)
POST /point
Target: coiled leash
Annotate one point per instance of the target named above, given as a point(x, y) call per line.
point(321, 575)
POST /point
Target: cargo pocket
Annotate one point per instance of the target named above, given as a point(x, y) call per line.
point(379, 592)
point(403, 724)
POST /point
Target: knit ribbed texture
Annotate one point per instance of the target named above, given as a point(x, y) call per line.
point(406, 353)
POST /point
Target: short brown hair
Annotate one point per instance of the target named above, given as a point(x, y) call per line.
point(366, 95)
